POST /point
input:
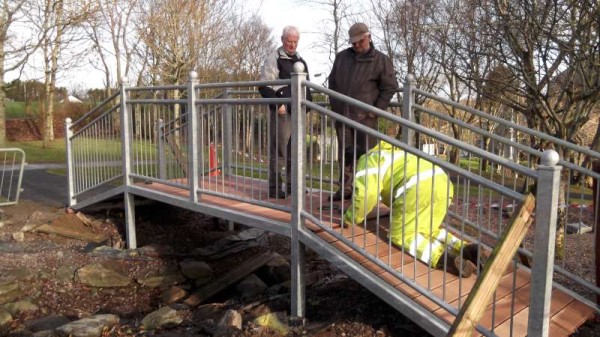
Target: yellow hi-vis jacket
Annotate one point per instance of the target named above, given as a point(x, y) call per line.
point(418, 194)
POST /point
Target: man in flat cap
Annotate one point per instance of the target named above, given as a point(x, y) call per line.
point(366, 74)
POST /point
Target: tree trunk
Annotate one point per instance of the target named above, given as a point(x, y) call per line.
point(2, 99)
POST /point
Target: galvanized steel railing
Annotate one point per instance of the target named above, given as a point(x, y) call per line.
point(188, 136)
point(12, 165)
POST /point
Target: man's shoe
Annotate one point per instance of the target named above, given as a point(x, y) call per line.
point(456, 265)
point(339, 195)
point(471, 251)
point(277, 194)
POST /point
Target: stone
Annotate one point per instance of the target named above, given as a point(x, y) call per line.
point(9, 292)
point(92, 326)
point(18, 236)
point(196, 270)
point(173, 295)
point(18, 307)
point(162, 280)
point(66, 273)
point(251, 287)
point(46, 323)
point(163, 318)
point(5, 318)
point(231, 320)
point(97, 275)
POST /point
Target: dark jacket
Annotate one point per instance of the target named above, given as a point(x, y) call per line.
point(369, 78)
point(280, 65)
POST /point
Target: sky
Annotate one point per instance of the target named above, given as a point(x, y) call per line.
point(276, 14)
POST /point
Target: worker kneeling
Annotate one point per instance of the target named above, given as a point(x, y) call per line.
point(418, 194)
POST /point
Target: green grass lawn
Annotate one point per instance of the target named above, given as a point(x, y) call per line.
point(35, 154)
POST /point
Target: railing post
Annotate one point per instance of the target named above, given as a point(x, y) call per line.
point(192, 119)
point(68, 134)
point(129, 198)
point(227, 134)
point(548, 184)
point(298, 259)
point(408, 135)
point(162, 164)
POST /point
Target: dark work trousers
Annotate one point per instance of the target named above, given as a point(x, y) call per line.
point(280, 149)
point(350, 137)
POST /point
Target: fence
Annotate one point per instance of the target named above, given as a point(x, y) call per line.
point(11, 175)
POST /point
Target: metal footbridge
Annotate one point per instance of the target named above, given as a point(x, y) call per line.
point(204, 147)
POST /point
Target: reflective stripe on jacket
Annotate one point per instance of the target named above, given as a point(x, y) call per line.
point(384, 174)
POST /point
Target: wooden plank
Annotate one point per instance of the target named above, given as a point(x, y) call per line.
point(505, 288)
point(518, 325)
point(228, 279)
point(569, 318)
point(501, 257)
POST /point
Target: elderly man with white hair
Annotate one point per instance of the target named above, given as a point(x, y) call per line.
point(279, 65)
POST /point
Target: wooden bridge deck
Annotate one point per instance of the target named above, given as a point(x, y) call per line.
point(511, 308)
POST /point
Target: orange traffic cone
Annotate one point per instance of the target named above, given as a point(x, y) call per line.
point(213, 162)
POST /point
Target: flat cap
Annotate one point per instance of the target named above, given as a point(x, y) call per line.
point(357, 32)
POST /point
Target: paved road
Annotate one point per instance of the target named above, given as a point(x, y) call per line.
point(40, 186)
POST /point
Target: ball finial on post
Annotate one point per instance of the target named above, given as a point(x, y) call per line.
point(299, 67)
point(550, 158)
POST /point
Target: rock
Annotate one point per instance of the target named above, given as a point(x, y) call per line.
point(173, 295)
point(18, 307)
point(5, 318)
point(196, 270)
point(251, 287)
point(165, 317)
point(9, 292)
point(162, 280)
point(46, 323)
point(231, 320)
point(20, 274)
point(156, 250)
point(96, 275)
point(1, 224)
point(45, 333)
point(92, 326)
point(18, 236)
point(28, 228)
point(66, 273)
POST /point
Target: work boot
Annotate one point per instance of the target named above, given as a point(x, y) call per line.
point(277, 194)
point(456, 265)
point(471, 253)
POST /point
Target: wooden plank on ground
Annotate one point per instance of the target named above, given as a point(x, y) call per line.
point(501, 257)
point(228, 279)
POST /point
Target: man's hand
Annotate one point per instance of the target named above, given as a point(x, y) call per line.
point(281, 110)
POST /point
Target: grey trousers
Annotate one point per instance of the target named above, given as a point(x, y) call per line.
point(280, 149)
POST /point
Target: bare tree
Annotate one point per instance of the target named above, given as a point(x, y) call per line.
point(332, 32)
point(407, 26)
point(59, 22)
point(184, 35)
point(15, 49)
point(114, 37)
point(250, 42)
